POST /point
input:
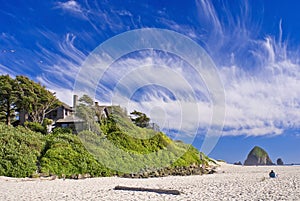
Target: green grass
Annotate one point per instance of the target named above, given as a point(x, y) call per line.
point(258, 152)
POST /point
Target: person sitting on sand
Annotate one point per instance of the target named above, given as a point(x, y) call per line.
point(272, 174)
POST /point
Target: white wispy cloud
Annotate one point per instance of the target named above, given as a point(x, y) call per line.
point(60, 65)
point(261, 76)
point(71, 6)
point(262, 100)
point(6, 70)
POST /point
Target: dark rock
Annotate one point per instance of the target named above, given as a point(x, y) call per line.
point(237, 163)
point(258, 156)
point(73, 176)
point(44, 175)
point(193, 169)
point(127, 176)
point(279, 161)
point(53, 177)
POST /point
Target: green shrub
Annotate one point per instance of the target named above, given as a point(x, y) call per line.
point(20, 149)
point(35, 126)
point(60, 130)
point(64, 154)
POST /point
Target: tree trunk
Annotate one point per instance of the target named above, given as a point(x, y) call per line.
point(8, 113)
point(43, 117)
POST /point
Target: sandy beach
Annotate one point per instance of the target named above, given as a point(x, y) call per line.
point(229, 183)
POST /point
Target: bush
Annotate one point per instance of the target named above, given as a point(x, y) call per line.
point(20, 149)
point(64, 154)
point(60, 130)
point(35, 126)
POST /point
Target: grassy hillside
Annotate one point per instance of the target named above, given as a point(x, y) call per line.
point(127, 148)
point(121, 148)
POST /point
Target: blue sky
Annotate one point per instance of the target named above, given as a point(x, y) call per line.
point(254, 45)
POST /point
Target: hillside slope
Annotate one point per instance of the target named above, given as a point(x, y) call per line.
point(128, 148)
point(122, 148)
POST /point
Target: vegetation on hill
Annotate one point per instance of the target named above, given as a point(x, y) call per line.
point(258, 152)
point(125, 147)
point(122, 147)
point(20, 149)
point(112, 145)
point(64, 154)
point(25, 153)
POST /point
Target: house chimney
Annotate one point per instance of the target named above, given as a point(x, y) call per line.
point(75, 99)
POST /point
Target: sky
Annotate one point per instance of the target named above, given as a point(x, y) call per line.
point(252, 46)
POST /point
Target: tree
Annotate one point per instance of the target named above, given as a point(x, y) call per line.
point(35, 99)
point(8, 98)
point(140, 119)
point(86, 110)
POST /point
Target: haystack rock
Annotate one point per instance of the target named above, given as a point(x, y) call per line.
point(258, 156)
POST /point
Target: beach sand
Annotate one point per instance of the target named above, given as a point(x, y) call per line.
point(229, 183)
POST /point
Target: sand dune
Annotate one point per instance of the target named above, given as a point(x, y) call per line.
point(229, 183)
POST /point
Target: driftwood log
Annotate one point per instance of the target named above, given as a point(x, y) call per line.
point(161, 191)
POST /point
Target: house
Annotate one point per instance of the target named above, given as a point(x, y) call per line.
point(64, 116)
point(56, 114)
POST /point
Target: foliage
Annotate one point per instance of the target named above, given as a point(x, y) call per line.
point(35, 99)
point(20, 149)
point(122, 147)
point(86, 110)
point(25, 153)
point(64, 154)
point(60, 130)
point(126, 147)
point(8, 98)
point(140, 119)
point(258, 152)
point(35, 126)
point(23, 94)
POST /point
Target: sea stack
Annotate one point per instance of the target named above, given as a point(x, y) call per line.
point(258, 156)
point(279, 161)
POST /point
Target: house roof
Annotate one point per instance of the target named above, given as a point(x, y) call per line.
point(67, 106)
point(70, 119)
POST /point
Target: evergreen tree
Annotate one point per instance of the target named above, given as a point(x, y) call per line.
point(8, 99)
point(35, 99)
point(86, 110)
point(140, 119)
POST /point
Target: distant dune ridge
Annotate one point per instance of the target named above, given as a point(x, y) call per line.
point(258, 156)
